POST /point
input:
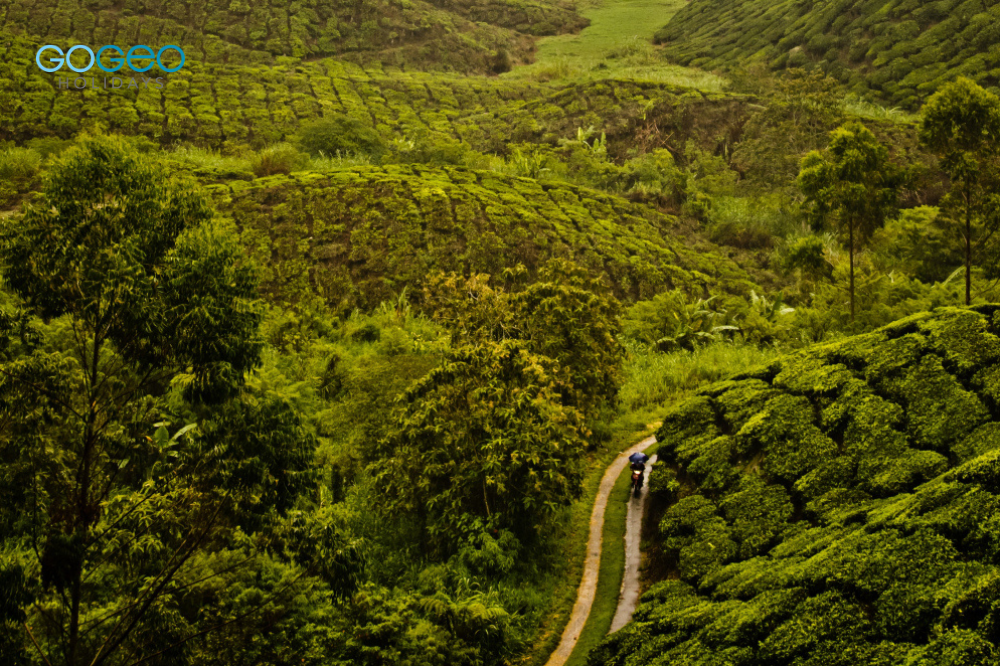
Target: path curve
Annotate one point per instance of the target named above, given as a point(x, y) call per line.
point(592, 565)
point(628, 597)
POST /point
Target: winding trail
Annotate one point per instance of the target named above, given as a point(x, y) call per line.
point(591, 568)
point(628, 598)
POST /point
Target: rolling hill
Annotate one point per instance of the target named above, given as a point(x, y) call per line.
point(902, 50)
point(837, 507)
point(358, 236)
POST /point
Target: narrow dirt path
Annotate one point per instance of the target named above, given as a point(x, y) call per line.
point(588, 583)
point(628, 598)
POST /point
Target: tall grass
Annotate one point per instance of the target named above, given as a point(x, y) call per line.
point(616, 45)
point(750, 222)
point(278, 158)
point(324, 162)
point(201, 158)
point(654, 379)
point(17, 163)
point(855, 105)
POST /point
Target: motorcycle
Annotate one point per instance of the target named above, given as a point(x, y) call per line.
point(637, 478)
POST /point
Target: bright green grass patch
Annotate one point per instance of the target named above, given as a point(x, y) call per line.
point(863, 108)
point(613, 23)
point(653, 379)
point(616, 44)
point(612, 569)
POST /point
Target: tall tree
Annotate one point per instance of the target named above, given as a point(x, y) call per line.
point(961, 123)
point(483, 437)
point(565, 316)
point(854, 183)
point(137, 312)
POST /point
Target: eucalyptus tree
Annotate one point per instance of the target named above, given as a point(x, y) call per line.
point(854, 183)
point(961, 123)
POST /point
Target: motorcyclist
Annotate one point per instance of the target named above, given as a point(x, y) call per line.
point(638, 466)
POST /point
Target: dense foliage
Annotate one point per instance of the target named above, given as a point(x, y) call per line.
point(189, 473)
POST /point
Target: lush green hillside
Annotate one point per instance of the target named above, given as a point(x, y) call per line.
point(902, 49)
point(359, 236)
point(838, 506)
point(461, 35)
point(217, 105)
point(314, 351)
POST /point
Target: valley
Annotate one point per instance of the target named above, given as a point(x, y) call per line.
point(326, 351)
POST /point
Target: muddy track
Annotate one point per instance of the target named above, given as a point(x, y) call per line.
point(591, 568)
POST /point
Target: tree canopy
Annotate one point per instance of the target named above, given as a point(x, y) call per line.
point(961, 123)
point(136, 314)
point(854, 183)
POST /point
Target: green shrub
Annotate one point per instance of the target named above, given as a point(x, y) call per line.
point(664, 484)
point(19, 169)
point(697, 537)
point(368, 332)
point(19, 163)
point(671, 321)
point(281, 158)
point(341, 135)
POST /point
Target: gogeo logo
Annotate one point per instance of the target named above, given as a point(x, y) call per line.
point(132, 58)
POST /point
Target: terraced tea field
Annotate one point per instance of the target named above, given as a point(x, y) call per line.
point(356, 237)
point(214, 105)
point(462, 36)
point(901, 50)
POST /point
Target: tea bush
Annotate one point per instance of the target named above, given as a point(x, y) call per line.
point(900, 51)
point(838, 506)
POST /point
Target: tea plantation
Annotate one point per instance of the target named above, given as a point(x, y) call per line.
point(358, 236)
point(317, 349)
point(467, 35)
point(839, 506)
point(218, 105)
point(903, 50)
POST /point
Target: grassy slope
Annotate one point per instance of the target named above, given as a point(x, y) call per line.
point(615, 45)
point(902, 49)
point(841, 507)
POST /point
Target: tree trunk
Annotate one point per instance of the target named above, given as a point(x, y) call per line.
point(850, 245)
point(85, 515)
point(74, 621)
point(968, 251)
